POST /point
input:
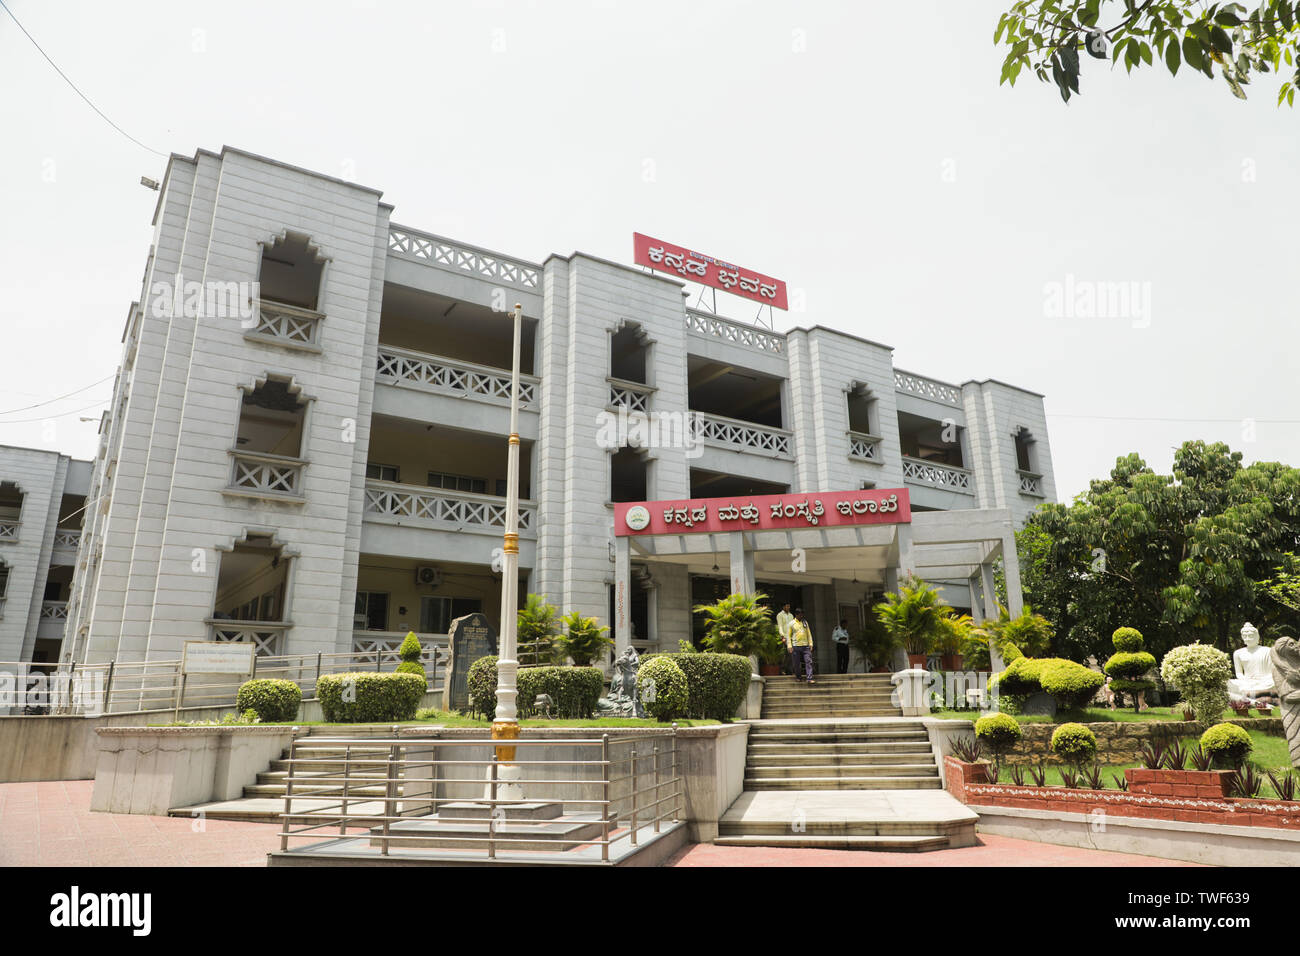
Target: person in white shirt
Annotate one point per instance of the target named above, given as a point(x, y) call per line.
point(841, 638)
point(783, 622)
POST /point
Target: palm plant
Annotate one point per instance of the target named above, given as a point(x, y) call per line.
point(737, 624)
point(914, 616)
point(583, 639)
point(538, 625)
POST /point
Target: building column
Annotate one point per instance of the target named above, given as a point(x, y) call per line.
point(996, 664)
point(622, 594)
point(742, 564)
point(976, 604)
point(1011, 570)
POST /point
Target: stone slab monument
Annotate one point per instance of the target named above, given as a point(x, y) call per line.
point(470, 638)
point(1285, 655)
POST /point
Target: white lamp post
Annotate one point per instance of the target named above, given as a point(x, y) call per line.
point(505, 725)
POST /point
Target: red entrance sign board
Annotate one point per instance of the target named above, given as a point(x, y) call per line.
point(707, 270)
point(829, 509)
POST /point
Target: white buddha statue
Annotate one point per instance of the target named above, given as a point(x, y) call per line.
point(1254, 667)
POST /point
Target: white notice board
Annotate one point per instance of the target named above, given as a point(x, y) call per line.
point(218, 657)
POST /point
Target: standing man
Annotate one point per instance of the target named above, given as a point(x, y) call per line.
point(783, 622)
point(801, 641)
point(841, 638)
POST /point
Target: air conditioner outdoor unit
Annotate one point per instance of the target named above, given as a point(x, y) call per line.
point(428, 576)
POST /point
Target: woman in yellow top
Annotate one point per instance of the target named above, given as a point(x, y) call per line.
point(801, 647)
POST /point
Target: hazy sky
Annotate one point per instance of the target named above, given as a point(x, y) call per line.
point(861, 151)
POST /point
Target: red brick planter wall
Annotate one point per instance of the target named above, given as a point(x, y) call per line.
point(1187, 796)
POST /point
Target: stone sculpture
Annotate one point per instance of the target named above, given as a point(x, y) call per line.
point(1253, 666)
point(1286, 676)
point(624, 699)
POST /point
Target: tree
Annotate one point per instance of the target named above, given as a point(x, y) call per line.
point(1048, 36)
point(1180, 557)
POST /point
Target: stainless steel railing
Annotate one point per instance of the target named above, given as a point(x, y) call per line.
point(620, 786)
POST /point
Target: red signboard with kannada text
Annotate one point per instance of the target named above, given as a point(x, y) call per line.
point(828, 509)
point(708, 270)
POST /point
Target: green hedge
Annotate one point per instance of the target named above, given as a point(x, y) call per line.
point(1069, 683)
point(1075, 744)
point(574, 691)
point(663, 689)
point(716, 684)
point(367, 696)
point(998, 733)
point(272, 700)
point(1227, 744)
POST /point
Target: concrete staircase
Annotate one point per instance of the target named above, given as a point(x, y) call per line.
point(835, 755)
point(835, 695)
point(329, 762)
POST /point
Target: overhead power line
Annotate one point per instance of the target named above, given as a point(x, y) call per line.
point(74, 85)
point(51, 401)
point(1195, 421)
point(45, 418)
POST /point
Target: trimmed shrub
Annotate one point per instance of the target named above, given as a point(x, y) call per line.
point(662, 687)
point(272, 700)
point(1200, 673)
point(1127, 640)
point(1227, 745)
point(574, 691)
point(1075, 744)
point(409, 651)
point(1071, 685)
point(482, 681)
point(998, 733)
point(1130, 664)
point(716, 684)
point(366, 696)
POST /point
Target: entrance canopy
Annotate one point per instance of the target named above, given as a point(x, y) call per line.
point(870, 536)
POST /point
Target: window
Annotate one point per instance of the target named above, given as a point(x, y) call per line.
point(371, 611)
point(627, 354)
point(291, 272)
point(628, 476)
point(1025, 457)
point(382, 472)
point(271, 419)
point(862, 410)
point(251, 581)
point(437, 613)
point(476, 486)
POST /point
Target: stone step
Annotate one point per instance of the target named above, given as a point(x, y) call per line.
point(832, 678)
point(796, 758)
point(308, 790)
point(820, 700)
point(784, 713)
point(572, 829)
point(909, 844)
point(306, 777)
point(770, 772)
point(834, 737)
point(844, 783)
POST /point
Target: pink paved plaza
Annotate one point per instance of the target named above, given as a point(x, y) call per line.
point(50, 824)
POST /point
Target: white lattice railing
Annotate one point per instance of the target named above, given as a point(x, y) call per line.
point(864, 447)
point(436, 374)
point(67, 538)
point(1030, 483)
point(8, 529)
point(266, 636)
point(386, 643)
point(929, 388)
point(760, 340)
point(632, 394)
point(746, 436)
point(267, 474)
point(54, 611)
point(439, 507)
point(460, 257)
point(948, 477)
point(287, 324)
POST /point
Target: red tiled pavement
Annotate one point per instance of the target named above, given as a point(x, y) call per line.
point(50, 824)
point(991, 851)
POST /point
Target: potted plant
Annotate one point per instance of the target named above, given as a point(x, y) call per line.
point(956, 631)
point(771, 653)
point(737, 624)
point(538, 624)
point(584, 639)
point(913, 616)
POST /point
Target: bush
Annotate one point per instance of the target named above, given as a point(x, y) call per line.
point(716, 684)
point(1075, 744)
point(1071, 685)
point(1200, 673)
point(412, 667)
point(1130, 664)
point(410, 651)
point(273, 700)
point(367, 696)
point(1127, 639)
point(482, 683)
point(663, 690)
point(584, 639)
point(574, 691)
point(1227, 745)
point(998, 733)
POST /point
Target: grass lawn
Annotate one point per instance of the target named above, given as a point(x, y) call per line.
point(1267, 753)
point(1089, 715)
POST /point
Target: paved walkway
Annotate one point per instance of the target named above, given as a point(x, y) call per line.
point(50, 824)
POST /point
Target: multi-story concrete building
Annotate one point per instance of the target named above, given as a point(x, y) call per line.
point(318, 464)
point(42, 498)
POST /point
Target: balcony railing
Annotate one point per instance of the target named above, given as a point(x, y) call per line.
point(461, 257)
point(451, 376)
point(864, 447)
point(54, 610)
point(745, 436)
point(929, 388)
point(67, 538)
point(266, 636)
point(286, 325)
point(8, 529)
point(947, 477)
point(1030, 483)
point(634, 395)
point(749, 336)
point(439, 507)
point(263, 474)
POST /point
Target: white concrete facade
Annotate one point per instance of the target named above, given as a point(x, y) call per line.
point(387, 513)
